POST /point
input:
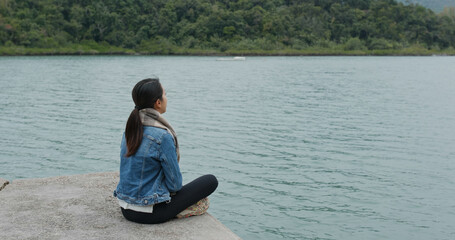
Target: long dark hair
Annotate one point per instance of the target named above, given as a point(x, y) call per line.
point(145, 94)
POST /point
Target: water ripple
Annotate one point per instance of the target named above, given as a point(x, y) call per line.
point(303, 147)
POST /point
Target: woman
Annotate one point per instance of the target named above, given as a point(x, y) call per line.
point(150, 187)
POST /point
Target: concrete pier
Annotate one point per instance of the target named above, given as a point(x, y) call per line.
point(82, 207)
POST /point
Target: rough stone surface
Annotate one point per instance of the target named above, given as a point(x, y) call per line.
point(82, 207)
point(3, 183)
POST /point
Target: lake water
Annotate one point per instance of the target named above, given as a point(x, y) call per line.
point(303, 147)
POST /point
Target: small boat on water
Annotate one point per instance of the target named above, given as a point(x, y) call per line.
point(232, 59)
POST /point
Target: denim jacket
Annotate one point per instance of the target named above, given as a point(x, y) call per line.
point(152, 173)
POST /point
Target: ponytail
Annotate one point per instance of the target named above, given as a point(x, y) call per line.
point(133, 132)
point(145, 93)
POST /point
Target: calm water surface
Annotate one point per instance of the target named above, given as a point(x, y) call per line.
point(304, 147)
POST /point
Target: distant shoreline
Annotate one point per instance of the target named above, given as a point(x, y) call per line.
point(245, 55)
point(232, 55)
point(411, 51)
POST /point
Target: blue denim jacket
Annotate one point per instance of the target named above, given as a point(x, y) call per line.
point(152, 173)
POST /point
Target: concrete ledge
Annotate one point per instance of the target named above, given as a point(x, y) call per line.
point(82, 207)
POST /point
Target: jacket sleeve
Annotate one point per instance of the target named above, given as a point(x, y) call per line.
point(170, 165)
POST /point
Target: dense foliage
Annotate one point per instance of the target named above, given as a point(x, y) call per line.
point(168, 26)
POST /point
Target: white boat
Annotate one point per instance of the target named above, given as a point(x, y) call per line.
point(232, 59)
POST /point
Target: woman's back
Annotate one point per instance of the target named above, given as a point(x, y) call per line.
point(152, 173)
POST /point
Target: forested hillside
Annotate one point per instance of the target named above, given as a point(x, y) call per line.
point(435, 5)
point(220, 26)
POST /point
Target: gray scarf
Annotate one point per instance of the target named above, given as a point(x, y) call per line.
point(151, 117)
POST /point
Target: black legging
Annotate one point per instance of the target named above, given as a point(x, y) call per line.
point(190, 194)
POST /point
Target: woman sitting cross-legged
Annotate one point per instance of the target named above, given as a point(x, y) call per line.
point(150, 188)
